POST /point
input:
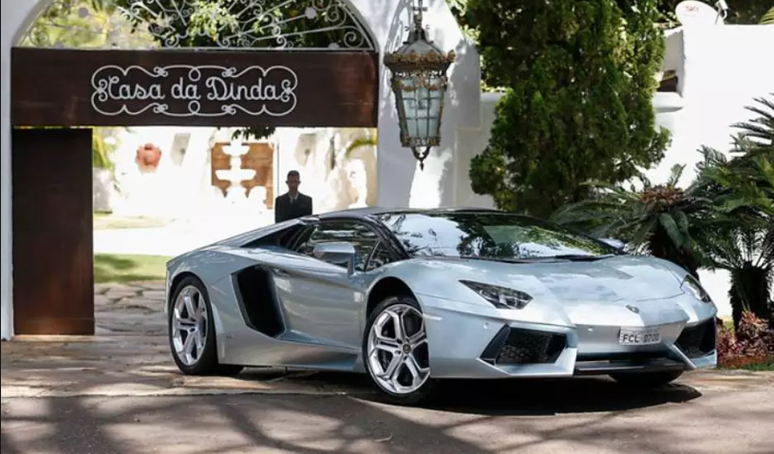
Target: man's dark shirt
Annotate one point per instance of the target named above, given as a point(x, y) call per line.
point(285, 208)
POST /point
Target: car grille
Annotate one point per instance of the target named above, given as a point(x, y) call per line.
point(522, 346)
point(699, 340)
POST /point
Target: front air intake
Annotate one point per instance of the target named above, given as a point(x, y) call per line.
point(517, 346)
point(699, 340)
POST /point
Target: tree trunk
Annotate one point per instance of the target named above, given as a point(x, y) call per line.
point(750, 292)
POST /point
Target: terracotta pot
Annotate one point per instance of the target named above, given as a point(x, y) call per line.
point(148, 157)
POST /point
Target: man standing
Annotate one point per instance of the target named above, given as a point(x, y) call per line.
point(292, 204)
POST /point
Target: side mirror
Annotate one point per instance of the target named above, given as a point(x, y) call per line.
point(337, 253)
point(618, 244)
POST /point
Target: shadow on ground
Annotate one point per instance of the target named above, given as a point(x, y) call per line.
point(510, 397)
point(311, 424)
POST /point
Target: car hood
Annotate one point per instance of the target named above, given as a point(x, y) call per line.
point(618, 278)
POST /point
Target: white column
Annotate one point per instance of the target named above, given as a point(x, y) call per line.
point(6, 291)
point(16, 16)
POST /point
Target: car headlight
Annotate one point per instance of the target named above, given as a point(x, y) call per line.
point(692, 286)
point(500, 297)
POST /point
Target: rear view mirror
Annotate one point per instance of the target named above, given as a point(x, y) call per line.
point(336, 253)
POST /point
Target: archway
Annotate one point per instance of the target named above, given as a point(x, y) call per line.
point(383, 23)
point(298, 64)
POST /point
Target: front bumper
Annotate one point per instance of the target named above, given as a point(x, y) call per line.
point(472, 345)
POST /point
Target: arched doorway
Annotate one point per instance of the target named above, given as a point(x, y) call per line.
point(384, 21)
point(253, 64)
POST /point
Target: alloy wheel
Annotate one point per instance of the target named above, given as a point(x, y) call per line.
point(398, 355)
point(189, 325)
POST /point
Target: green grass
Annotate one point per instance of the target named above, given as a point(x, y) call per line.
point(767, 366)
point(120, 268)
point(106, 221)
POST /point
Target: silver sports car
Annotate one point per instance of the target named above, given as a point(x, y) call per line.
point(411, 297)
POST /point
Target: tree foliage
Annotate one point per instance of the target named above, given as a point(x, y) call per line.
point(741, 11)
point(579, 78)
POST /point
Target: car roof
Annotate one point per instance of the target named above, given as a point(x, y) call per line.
point(361, 213)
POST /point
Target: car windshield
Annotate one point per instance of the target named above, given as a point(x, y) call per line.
point(499, 236)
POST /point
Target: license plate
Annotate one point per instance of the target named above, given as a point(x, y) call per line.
point(645, 336)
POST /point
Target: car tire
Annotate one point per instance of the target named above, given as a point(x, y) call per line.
point(411, 382)
point(205, 361)
point(647, 379)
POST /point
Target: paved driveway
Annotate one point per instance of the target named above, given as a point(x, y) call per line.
point(583, 416)
point(118, 392)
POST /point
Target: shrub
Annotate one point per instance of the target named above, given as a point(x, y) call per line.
point(578, 78)
point(751, 343)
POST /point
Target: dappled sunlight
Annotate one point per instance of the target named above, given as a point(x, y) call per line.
point(345, 425)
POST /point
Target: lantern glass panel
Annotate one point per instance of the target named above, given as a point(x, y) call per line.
point(422, 95)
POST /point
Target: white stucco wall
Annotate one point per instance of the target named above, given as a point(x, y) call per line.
point(471, 142)
point(399, 181)
point(722, 69)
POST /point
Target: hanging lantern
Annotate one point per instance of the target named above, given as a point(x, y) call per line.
point(419, 83)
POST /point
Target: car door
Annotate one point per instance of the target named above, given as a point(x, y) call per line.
point(322, 301)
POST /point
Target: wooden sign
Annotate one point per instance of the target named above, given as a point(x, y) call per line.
point(52, 87)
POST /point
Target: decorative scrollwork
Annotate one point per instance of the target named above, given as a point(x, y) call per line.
point(223, 24)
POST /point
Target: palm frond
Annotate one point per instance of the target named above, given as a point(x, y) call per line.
point(675, 173)
point(361, 142)
point(670, 226)
point(761, 127)
point(768, 18)
point(97, 5)
point(644, 232)
point(682, 222)
point(766, 258)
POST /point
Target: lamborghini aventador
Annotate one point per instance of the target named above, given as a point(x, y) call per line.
point(411, 297)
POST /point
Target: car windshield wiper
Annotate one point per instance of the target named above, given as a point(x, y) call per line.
point(496, 259)
point(581, 257)
point(488, 259)
point(571, 257)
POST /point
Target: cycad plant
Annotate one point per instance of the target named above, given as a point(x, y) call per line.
point(658, 219)
point(742, 239)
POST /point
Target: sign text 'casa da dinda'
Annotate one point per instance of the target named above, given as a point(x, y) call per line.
point(194, 91)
